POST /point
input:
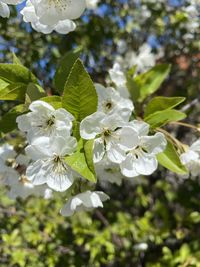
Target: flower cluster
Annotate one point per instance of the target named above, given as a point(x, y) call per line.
point(122, 148)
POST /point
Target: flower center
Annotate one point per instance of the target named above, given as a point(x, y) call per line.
point(61, 4)
point(108, 105)
point(138, 151)
point(50, 121)
point(59, 165)
point(106, 133)
point(24, 180)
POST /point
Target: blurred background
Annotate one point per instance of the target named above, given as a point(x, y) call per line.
point(152, 221)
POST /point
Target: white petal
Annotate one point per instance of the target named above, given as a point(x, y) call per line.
point(70, 207)
point(145, 165)
point(59, 181)
point(140, 126)
point(99, 150)
point(74, 9)
point(23, 122)
point(84, 201)
point(127, 167)
point(90, 126)
point(39, 27)
point(39, 149)
point(189, 156)
point(102, 195)
point(115, 153)
point(65, 26)
point(28, 13)
point(112, 122)
point(196, 146)
point(40, 106)
point(128, 138)
point(116, 75)
point(154, 144)
point(63, 146)
point(4, 10)
point(36, 173)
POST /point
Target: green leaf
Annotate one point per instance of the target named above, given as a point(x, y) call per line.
point(161, 118)
point(16, 60)
point(145, 84)
point(170, 160)
point(80, 161)
point(79, 97)
point(34, 92)
point(3, 84)
point(15, 73)
point(8, 121)
point(14, 91)
point(88, 148)
point(161, 103)
point(54, 101)
point(64, 69)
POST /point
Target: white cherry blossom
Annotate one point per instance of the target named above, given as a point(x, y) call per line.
point(84, 201)
point(110, 102)
point(113, 136)
point(44, 120)
point(49, 165)
point(191, 158)
point(144, 59)
point(62, 26)
point(23, 188)
point(51, 12)
point(118, 78)
point(142, 158)
point(12, 174)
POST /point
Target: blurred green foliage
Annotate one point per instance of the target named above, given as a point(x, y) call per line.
point(161, 213)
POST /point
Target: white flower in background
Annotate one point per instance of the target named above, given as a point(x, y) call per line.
point(118, 78)
point(7, 157)
point(108, 171)
point(7, 174)
point(62, 26)
point(4, 8)
point(121, 46)
point(142, 158)
point(144, 59)
point(110, 102)
point(44, 120)
point(12, 174)
point(191, 158)
point(23, 188)
point(7, 152)
point(92, 4)
point(51, 12)
point(49, 166)
point(84, 201)
point(113, 136)
point(141, 246)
